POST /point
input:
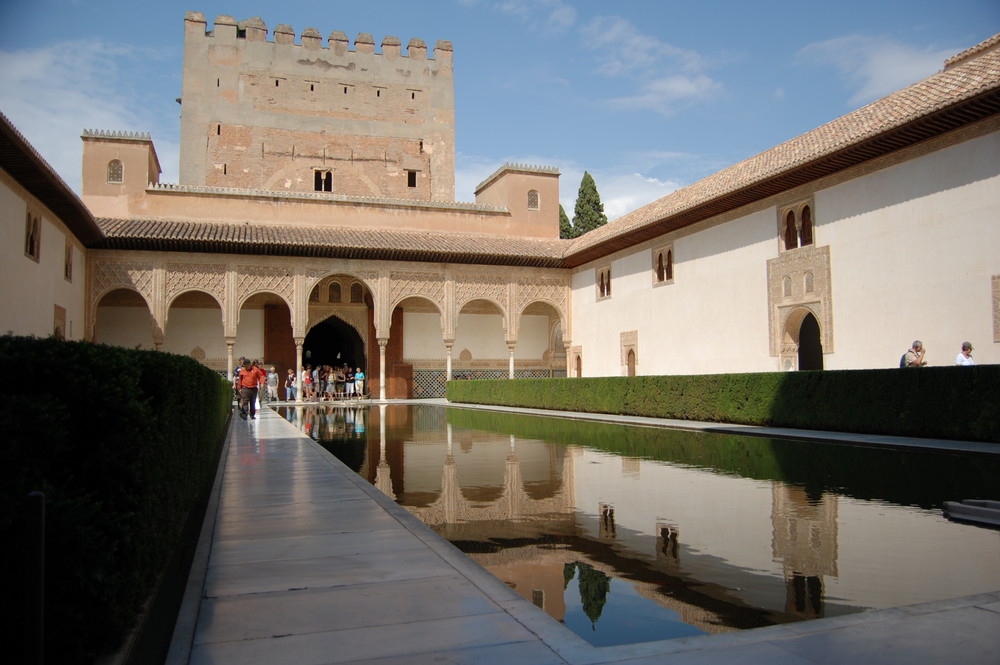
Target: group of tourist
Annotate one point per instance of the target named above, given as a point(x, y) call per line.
point(325, 383)
point(916, 355)
point(314, 384)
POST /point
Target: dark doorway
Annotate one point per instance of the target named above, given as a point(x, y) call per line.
point(333, 342)
point(810, 346)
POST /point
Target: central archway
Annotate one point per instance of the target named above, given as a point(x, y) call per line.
point(333, 342)
point(810, 345)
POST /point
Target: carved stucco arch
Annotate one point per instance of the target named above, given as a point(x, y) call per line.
point(169, 302)
point(504, 314)
point(545, 301)
point(432, 287)
point(792, 323)
point(111, 275)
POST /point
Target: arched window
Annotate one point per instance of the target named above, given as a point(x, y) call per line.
point(335, 292)
point(786, 286)
point(116, 171)
point(533, 199)
point(661, 273)
point(806, 234)
point(669, 268)
point(356, 292)
point(791, 234)
point(810, 282)
point(323, 181)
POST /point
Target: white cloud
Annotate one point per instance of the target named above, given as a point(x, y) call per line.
point(665, 76)
point(51, 99)
point(876, 66)
point(545, 15)
point(625, 50)
point(665, 95)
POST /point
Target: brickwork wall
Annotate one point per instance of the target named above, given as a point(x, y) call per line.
point(266, 115)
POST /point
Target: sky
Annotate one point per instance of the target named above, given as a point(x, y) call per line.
point(646, 95)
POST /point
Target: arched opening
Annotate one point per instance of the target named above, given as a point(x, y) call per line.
point(194, 328)
point(806, 235)
point(810, 345)
point(123, 319)
point(791, 233)
point(333, 342)
point(579, 365)
point(631, 362)
point(264, 331)
point(540, 351)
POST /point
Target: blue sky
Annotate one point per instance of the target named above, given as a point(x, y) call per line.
point(647, 95)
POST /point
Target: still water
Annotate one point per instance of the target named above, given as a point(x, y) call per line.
point(629, 534)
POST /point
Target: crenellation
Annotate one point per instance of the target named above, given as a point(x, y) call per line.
point(416, 49)
point(391, 47)
point(312, 39)
point(339, 43)
point(284, 34)
point(364, 43)
point(225, 29)
point(253, 30)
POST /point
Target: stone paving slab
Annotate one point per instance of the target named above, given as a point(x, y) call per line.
point(302, 561)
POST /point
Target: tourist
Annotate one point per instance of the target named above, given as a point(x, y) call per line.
point(307, 387)
point(349, 385)
point(359, 382)
point(290, 385)
point(272, 385)
point(248, 382)
point(965, 357)
point(914, 357)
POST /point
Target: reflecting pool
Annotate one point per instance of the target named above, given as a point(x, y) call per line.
point(630, 534)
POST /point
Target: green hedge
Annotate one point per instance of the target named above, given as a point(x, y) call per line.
point(959, 403)
point(124, 444)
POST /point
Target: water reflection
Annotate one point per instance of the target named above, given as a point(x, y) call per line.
point(633, 534)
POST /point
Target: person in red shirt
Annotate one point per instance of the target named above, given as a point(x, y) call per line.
point(247, 382)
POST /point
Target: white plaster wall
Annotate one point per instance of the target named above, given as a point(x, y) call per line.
point(422, 336)
point(131, 327)
point(912, 250)
point(188, 328)
point(27, 305)
point(250, 334)
point(481, 334)
point(712, 318)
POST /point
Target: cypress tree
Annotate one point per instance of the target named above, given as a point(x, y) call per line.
point(566, 229)
point(589, 212)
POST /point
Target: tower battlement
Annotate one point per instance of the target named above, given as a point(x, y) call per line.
point(227, 28)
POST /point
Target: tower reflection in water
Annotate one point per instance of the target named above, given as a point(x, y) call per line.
point(636, 534)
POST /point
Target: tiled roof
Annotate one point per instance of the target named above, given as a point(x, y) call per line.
point(20, 159)
point(329, 242)
point(967, 92)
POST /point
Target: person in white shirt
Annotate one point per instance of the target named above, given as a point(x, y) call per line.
point(965, 357)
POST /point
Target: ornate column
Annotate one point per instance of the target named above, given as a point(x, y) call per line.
point(448, 346)
point(511, 345)
point(382, 342)
point(230, 361)
point(299, 342)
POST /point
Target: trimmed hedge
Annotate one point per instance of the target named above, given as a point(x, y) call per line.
point(958, 403)
point(124, 444)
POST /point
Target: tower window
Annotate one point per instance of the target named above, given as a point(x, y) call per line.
point(533, 199)
point(323, 181)
point(116, 171)
point(411, 178)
